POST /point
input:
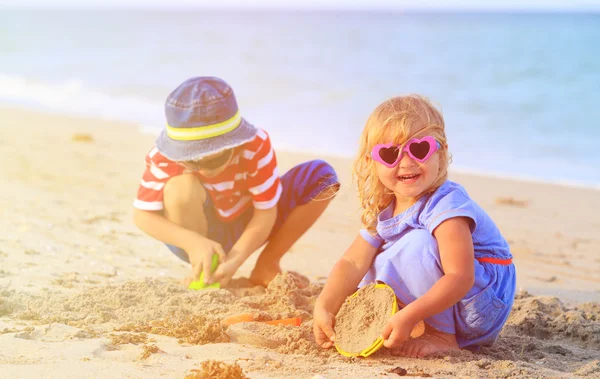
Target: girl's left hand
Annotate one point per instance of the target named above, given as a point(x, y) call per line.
point(225, 271)
point(397, 330)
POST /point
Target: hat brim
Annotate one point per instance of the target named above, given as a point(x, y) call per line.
point(177, 150)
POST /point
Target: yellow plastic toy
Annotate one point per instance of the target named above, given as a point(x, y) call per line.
point(199, 284)
point(379, 341)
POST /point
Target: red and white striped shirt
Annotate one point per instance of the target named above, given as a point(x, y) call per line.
point(250, 178)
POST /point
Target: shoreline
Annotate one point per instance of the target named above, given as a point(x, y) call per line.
point(460, 170)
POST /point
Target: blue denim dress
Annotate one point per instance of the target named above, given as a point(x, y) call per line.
point(409, 261)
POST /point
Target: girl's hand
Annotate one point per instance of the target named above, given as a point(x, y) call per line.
point(200, 255)
point(323, 323)
point(225, 271)
point(397, 330)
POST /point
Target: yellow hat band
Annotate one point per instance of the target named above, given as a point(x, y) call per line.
point(204, 132)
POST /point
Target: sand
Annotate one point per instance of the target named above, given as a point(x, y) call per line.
point(83, 293)
point(217, 370)
point(362, 317)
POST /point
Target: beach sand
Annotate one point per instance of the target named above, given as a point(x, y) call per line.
point(83, 293)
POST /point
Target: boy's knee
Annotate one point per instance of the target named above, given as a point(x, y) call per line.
point(325, 169)
point(327, 182)
point(183, 190)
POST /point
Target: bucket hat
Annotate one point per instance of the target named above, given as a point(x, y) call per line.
point(202, 119)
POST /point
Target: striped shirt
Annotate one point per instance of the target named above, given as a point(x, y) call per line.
point(250, 178)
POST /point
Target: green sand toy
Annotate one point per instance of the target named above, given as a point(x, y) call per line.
point(199, 284)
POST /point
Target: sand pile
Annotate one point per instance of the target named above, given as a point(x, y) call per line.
point(162, 307)
point(362, 317)
point(257, 334)
point(288, 295)
point(148, 350)
point(217, 370)
point(546, 318)
point(125, 338)
point(541, 330)
point(191, 329)
point(9, 301)
point(282, 338)
point(131, 302)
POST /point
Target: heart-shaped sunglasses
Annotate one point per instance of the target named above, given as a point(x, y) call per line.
point(420, 150)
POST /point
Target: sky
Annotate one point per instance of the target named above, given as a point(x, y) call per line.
point(524, 5)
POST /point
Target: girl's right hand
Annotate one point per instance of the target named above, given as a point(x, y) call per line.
point(323, 323)
point(200, 255)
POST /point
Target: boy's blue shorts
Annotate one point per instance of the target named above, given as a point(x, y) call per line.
point(301, 184)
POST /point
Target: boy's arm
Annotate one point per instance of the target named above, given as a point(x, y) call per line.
point(198, 247)
point(157, 226)
point(264, 186)
point(255, 234)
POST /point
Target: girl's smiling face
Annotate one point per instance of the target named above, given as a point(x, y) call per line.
point(394, 122)
point(409, 179)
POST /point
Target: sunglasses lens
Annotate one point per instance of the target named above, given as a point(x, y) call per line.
point(389, 154)
point(419, 150)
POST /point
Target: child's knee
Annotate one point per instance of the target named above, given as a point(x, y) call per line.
point(421, 243)
point(325, 181)
point(327, 171)
point(183, 191)
point(415, 255)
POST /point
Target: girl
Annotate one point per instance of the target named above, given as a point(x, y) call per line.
point(423, 236)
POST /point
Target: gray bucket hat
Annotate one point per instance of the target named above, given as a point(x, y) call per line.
point(202, 119)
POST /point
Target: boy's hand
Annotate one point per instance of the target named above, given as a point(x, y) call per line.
point(323, 323)
point(200, 256)
point(397, 330)
point(225, 271)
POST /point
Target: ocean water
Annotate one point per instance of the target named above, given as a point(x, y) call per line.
point(519, 92)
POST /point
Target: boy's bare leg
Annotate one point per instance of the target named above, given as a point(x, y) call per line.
point(297, 223)
point(183, 199)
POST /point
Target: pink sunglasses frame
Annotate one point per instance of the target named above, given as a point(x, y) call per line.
point(434, 146)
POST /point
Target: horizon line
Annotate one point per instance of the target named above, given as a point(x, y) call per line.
point(465, 9)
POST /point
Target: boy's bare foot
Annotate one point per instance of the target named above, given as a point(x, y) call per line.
point(263, 274)
point(431, 342)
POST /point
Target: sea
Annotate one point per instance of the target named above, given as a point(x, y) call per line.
point(520, 92)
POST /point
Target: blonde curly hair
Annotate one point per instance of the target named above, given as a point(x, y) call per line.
point(395, 120)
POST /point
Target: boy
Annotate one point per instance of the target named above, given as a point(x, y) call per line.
point(211, 186)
